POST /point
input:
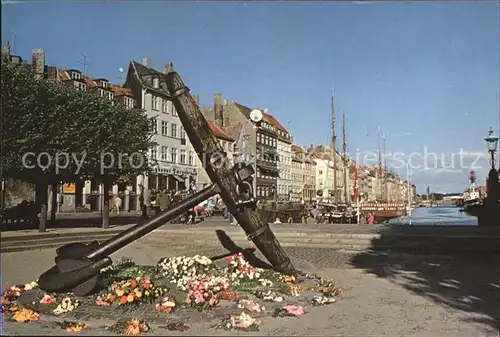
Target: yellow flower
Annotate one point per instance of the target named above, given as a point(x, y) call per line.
point(147, 293)
point(130, 298)
point(169, 304)
point(138, 293)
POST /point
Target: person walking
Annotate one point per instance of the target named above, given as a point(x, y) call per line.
point(164, 202)
point(371, 219)
point(117, 204)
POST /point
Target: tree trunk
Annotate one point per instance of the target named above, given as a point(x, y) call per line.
point(43, 219)
point(105, 204)
point(53, 209)
point(41, 196)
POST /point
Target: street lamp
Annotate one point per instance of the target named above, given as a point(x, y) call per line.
point(492, 143)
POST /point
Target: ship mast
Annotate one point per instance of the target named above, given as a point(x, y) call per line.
point(334, 151)
point(386, 187)
point(380, 164)
point(344, 156)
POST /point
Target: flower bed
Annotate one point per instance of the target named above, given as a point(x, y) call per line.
point(177, 285)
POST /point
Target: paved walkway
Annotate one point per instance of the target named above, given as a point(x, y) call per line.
point(384, 295)
point(211, 224)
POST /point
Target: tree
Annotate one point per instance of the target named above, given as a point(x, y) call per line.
point(90, 136)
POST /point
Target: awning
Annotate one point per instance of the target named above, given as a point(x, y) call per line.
point(179, 179)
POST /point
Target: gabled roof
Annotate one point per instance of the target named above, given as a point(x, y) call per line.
point(146, 75)
point(246, 112)
point(219, 133)
point(275, 122)
point(118, 90)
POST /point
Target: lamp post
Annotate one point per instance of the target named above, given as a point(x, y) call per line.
point(492, 143)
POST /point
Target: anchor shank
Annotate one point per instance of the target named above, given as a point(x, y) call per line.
point(121, 240)
point(219, 171)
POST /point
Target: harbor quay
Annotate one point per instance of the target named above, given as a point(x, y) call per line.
point(406, 294)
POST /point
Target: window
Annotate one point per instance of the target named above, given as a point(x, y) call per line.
point(101, 92)
point(191, 158)
point(129, 102)
point(164, 153)
point(111, 95)
point(259, 138)
point(183, 133)
point(75, 75)
point(169, 107)
point(164, 128)
point(80, 86)
point(154, 126)
point(174, 112)
point(173, 155)
point(156, 83)
point(183, 157)
point(164, 107)
point(153, 153)
point(104, 84)
point(154, 102)
point(173, 130)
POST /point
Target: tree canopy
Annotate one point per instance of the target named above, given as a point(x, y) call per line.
point(89, 136)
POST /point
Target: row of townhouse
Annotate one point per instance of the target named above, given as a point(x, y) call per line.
point(283, 171)
point(175, 163)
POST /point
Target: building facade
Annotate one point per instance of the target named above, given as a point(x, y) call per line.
point(255, 144)
point(297, 177)
point(284, 164)
point(174, 159)
point(303, 175)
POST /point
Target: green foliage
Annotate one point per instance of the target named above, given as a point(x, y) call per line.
point(39, 116)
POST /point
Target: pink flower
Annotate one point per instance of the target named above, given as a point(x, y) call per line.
point(295, 310)
point(199, 298)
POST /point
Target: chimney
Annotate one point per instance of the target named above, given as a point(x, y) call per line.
point(218, 114)
point(38, 62)
point(196, 99)
point(146, 62)
point(225, 101)
point(265, 111)
point(169, 67)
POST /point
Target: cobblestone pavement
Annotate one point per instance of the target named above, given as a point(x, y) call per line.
point(377, 300)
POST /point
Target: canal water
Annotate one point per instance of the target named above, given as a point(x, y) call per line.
point(443, 215)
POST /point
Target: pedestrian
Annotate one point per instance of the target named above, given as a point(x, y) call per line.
point(164, 201)
point(371, 219)
point(118, 204)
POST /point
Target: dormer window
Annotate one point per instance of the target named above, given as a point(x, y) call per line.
point(156, 83)
point(76, 75)
point(103, 83)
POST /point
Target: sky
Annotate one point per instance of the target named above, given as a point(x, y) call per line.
point(427, 74)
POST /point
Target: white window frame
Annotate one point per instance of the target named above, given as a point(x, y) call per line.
point(164, 153)
point(164, 128)
point(154, 102)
